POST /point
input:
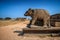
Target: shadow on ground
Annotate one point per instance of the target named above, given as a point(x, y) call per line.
point(20, 33)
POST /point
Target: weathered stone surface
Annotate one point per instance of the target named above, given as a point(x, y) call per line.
point(54, 18)
point(43, 35)
point(57, 24)
point(42, 30)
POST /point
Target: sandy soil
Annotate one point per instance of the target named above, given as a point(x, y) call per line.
point(11, 32)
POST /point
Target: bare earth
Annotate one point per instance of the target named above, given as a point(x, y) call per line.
point(8, 33)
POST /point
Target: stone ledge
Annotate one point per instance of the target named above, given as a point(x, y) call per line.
point(41, 30)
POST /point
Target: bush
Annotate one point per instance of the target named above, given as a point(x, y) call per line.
point(22, 19)
point(7, 18)
point(1, 18)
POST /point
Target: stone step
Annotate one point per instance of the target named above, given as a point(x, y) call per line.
point(41, 30)
point(50, 34)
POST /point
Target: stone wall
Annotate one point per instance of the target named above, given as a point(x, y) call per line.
point(55, 18)
point(57, 24)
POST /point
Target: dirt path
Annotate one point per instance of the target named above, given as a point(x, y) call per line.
point(8, 33)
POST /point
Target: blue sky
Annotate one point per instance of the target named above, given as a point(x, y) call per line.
point(17, 8)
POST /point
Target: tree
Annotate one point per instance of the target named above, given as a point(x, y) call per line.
point(21, 19)
point(1, 18)
point(7, 18)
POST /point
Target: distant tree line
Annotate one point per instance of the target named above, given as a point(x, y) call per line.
point(21, 19)
point(9, 18)
point(1, 18)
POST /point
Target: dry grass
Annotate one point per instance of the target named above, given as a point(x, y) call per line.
point(9, 22)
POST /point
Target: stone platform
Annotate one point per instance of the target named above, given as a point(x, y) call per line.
point(42, 31)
